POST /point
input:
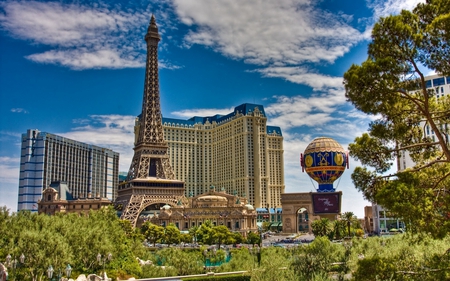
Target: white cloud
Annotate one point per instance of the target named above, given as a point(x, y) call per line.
point(9, 195)
point(261, 32)
point(303, 76)
point(297, 111)
point(189, 113)
point(80, 36)
point(276, 33)
point(85, 59)
point(383, 8)
point(9, 181)
point(9, 169)
point(19, 110)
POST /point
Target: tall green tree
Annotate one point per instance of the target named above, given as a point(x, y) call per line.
point(391, 86)
point(152, 232)
point(253, 238)
point(205, 233)
point(172, 234)
point(234, 238)
point(221, 233)
point(67, 239)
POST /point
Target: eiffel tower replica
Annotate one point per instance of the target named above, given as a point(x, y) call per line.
point(150, 180)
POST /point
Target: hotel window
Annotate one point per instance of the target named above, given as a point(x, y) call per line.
point(438, 81)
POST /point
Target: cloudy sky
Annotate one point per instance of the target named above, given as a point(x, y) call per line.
point(76, 69)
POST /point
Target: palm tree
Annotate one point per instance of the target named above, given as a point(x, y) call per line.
point(348, 218)
point(339, 229)
point(321, 227)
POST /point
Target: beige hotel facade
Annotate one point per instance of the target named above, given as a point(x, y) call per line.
point(238, 152)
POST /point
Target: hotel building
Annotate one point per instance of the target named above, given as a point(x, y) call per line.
point(238, 152)
point(88, 170)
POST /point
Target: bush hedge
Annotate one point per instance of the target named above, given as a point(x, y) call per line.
point(220, 278)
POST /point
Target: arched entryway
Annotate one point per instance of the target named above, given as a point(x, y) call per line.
point(302, 220)
point(149, 211)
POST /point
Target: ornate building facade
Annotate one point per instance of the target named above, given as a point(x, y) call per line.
point(218, 207)
point(237, 151)
point(46, 158)
point(57, 198)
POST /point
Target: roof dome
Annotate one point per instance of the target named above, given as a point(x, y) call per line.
point(212, 198)
point(249, 207)
point(166, 207)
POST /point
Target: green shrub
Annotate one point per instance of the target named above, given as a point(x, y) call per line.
point(402, 257)
point(220, 278)
point(316, 258)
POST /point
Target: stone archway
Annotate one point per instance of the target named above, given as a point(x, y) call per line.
point(149, 210)
point(132, 206)
point(295, 207)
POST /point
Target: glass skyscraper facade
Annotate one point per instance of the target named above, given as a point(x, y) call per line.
point(88, 170)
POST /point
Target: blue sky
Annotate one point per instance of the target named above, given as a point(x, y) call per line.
point(76, 69)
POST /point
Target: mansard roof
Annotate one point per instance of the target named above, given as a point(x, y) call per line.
point(244, 109)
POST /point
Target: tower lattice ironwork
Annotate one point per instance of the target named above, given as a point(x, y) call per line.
point(150, 179)
point(150, 152)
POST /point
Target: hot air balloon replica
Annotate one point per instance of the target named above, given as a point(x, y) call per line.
point(325, 160)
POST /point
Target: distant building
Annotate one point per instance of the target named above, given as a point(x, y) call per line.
point(237, 151)
point(368, 219)
point(218, 207)
point(58, 199)
point(384, 221)
point(441, 87)
point(46, 158)
point(272, 216)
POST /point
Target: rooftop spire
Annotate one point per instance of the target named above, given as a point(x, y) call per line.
point(152, 31)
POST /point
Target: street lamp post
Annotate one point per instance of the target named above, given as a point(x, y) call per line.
point(205, 255)
point(68, 271)
point(50, 271)
point(256, 251)
point(258, 255)
point(13, 263)
point(102, 261)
